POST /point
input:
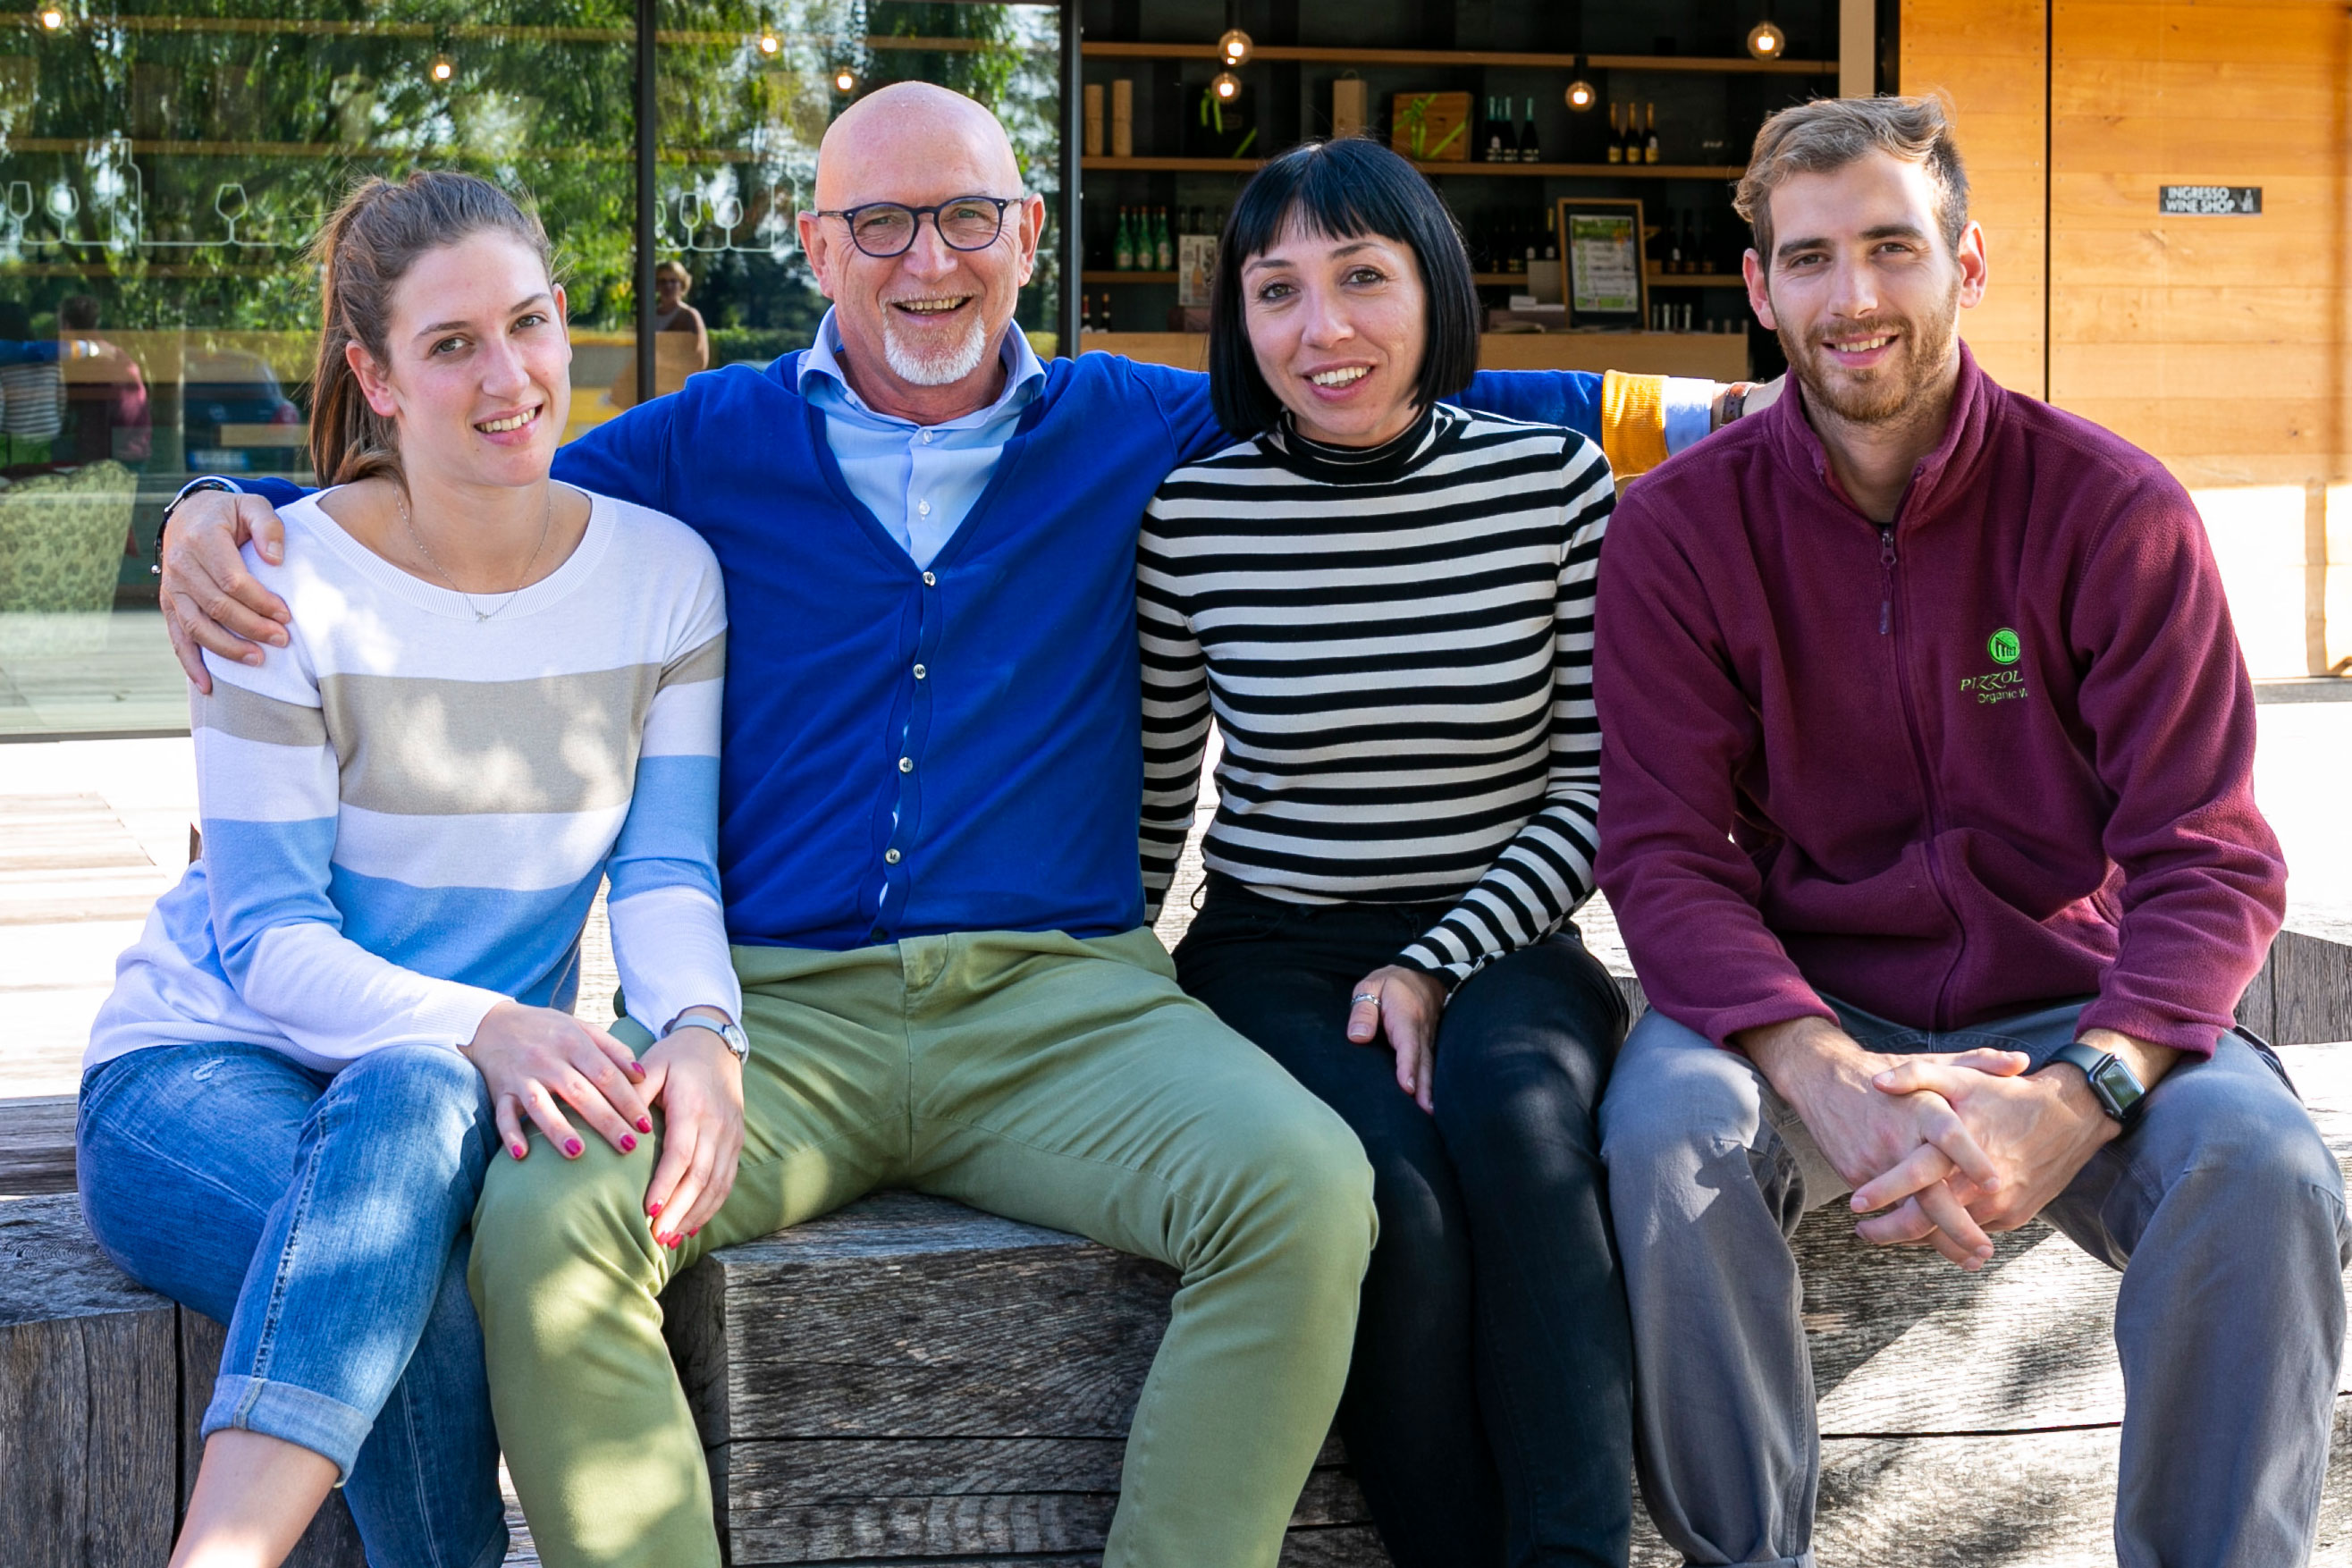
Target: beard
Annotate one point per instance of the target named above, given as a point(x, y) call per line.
point(934, 366)
point(1885, 393)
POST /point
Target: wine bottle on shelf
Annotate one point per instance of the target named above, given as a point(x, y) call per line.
point(1514, 256)
point(1634, 143)
point(1123, 256)
point(1674, 262)
point(1530, 149)
point(1551, 236)
point(1166, 247)
point(1616, 140)
point(1650, 136)
point(1502, 142)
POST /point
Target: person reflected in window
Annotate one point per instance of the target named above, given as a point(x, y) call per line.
point(1384, 599)
point(105, 390)
point(672, 282)
point(32, 392)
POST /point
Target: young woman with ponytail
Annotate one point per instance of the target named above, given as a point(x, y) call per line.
point(501, 692)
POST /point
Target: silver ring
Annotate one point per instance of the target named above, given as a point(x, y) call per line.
point(1371, 996)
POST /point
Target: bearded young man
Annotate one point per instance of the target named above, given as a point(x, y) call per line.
point(1926, 816)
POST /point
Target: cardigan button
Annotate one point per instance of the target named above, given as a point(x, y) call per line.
point(889, 856)
point(930, 580)
point(920, 672)
point(906, 764)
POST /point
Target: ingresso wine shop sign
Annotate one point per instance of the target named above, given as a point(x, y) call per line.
point(2210, 201)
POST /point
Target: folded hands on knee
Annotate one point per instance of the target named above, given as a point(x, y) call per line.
point(1941, 1148)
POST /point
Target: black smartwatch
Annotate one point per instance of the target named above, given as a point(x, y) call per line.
point(2114, 1086)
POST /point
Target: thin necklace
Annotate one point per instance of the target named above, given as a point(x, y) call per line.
point(546, 522)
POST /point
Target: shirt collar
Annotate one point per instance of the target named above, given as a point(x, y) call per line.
point(1023, 373)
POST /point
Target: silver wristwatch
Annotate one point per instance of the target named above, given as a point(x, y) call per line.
point(733, 1033)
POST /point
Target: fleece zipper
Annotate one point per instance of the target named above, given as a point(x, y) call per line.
point(1887, 561)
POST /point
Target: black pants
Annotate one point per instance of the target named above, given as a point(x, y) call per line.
point(1488, 1410)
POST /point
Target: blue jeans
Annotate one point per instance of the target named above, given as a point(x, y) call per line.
point(325, 1220)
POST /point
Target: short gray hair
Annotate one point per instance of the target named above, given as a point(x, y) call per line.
point(1829, 133)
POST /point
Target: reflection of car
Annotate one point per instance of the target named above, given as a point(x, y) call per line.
point(233, 418)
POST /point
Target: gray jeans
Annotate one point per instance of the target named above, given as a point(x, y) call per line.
point(2223, 1200)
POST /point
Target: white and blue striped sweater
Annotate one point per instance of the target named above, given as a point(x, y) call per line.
point(406, 811)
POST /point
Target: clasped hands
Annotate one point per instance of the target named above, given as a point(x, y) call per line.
point(1945, 1149)
point(538, 1062)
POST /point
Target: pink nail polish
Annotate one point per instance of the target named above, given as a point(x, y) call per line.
point(572, 1147)
point(695, 1231)
point(628, 1144)
point(516, 1150)
point(654, 1211)
point(645, 1123)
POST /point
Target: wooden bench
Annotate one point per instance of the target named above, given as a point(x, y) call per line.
point(909, 1381)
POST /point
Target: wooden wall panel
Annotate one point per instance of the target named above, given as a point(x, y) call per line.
point(1986, 57)
point(2158, 92)
point(2222, 344)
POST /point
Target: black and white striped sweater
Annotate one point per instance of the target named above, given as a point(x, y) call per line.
point(1397, 644)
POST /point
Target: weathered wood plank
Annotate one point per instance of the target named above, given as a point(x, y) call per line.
point(332, 1541)
point(37, 1144)
point(913, 1318)
point(88, 1386)
point(807, 1499)
point(2311, 989)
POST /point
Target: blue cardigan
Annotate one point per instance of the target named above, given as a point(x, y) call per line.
point(907, 752)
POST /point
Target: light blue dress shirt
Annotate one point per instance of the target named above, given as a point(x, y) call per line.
point(919, 480)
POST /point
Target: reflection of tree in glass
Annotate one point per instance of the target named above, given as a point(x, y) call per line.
point(125, 132)
point(741, 130)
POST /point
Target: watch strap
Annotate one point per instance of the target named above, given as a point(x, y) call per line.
point(2116, 1086)
point(204, 483)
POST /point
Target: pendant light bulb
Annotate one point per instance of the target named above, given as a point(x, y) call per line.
point(768, 43)
point(443, 68)
point(52, 18)
point(1766, 41)
point(1226, 86)
point(1581, 95)
point(845, 81)
point(1235, 48)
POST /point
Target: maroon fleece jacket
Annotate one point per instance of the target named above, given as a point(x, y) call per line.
point(1994, 756)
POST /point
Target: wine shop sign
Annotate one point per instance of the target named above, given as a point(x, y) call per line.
point(2210, 201)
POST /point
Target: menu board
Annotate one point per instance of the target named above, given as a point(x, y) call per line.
point(1602, 257)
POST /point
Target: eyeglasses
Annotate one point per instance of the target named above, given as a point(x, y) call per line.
point(884, 230)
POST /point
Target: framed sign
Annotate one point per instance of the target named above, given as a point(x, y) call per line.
point(1602, 275)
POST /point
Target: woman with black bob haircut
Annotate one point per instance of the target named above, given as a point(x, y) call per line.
point(1352, 187)
point(1386, 603)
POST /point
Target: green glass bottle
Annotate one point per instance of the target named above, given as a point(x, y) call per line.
point(1123, 256)
point(1166, 245)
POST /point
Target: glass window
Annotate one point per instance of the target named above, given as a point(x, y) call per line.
point(746, 93)
point(162, 174)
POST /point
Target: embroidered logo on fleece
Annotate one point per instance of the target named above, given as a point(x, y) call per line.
point(2005, 648)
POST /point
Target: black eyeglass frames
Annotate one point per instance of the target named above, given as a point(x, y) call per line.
point(884, 230)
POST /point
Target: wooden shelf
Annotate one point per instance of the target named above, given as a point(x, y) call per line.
point(1658, 278)
point(1733, 66)
point(1105, 164)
